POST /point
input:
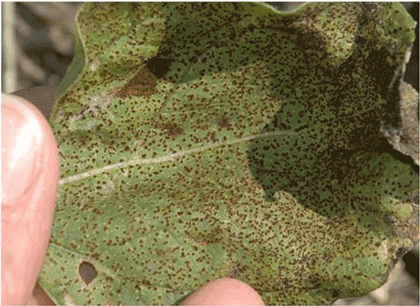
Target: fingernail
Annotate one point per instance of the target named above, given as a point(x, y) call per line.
point(21, 137)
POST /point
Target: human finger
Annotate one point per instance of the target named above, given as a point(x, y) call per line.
point(29, 186)
point(224, 291)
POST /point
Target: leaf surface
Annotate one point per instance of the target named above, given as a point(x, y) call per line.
point(206, 140)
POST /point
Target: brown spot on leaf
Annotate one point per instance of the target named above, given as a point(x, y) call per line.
point(142, 84)
point(171, 129)
point(223, 122)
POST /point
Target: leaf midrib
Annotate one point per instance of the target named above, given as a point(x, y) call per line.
point(170, 157)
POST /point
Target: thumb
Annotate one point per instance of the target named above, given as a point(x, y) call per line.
point(29, 176)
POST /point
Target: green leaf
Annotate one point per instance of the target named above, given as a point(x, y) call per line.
point(206, 140)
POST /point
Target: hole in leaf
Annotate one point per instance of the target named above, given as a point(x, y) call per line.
point(159, 65)
point(87, 272)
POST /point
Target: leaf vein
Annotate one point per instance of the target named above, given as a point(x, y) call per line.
point(170, 157)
